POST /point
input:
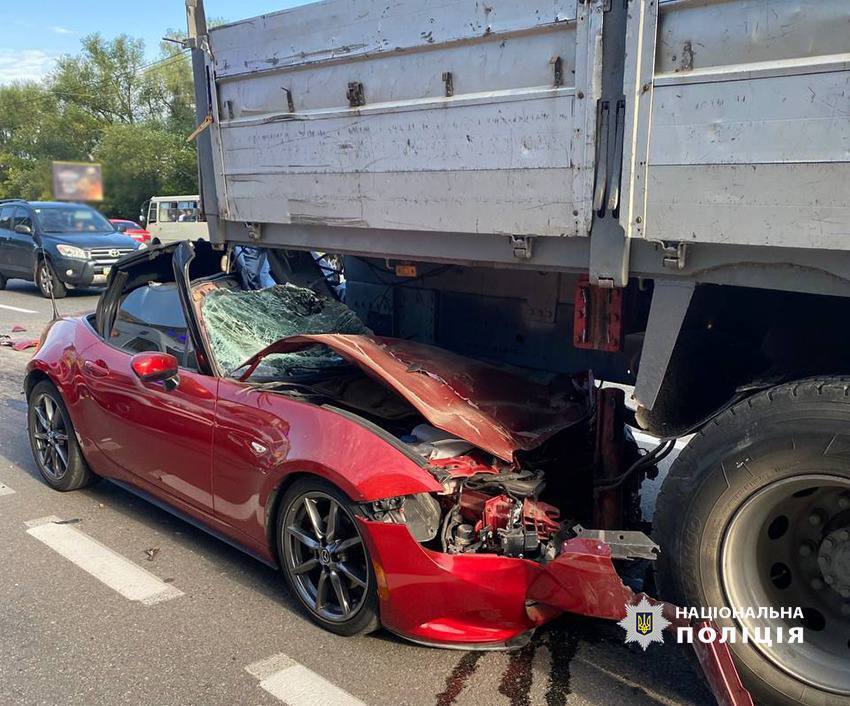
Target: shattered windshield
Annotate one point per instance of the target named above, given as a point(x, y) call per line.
point(240, 323)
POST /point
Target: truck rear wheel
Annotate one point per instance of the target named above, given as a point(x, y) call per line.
point(756, 513)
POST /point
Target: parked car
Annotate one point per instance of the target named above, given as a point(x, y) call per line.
point(58, 245)
point(131, 228)
point(394, 483)
point(170, 219)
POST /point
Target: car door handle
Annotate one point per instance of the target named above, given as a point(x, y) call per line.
point(97, 368)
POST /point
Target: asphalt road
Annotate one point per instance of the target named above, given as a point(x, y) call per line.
point(228, 633)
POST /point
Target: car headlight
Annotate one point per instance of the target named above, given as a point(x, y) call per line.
point(142, 246)
point(421, 514)
point(72, 252)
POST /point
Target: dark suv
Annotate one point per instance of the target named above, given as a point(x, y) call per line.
point(58, 245)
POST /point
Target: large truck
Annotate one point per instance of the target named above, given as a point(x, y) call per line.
point(657, 190)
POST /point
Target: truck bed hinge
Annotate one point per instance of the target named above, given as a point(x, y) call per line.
point(674, 255)
point(255, 231)
point(522, 247)
point(356, 94)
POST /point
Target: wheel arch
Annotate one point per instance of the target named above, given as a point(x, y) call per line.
point(33, 377)
point(273, 504)
point(704, 343)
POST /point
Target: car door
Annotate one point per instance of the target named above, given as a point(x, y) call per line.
point(6, 213)
point(162, 436)
point(20, 248)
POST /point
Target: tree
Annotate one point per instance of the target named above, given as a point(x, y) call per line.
point(34, 131)
point(104, 80)
point(104, 104)
point(140, 161)
point(168, 89)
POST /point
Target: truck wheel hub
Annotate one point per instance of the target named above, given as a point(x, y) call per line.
point(834, 561)
point(788, 546)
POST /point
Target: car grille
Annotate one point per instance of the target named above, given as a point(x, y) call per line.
point(107, 257)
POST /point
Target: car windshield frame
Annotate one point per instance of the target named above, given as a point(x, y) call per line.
point(98, 220)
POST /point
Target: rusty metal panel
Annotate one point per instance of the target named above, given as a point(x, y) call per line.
point(454, 116)
point(749, 139)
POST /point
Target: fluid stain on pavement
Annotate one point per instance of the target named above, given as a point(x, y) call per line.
point(561, 641)
point(456, 681)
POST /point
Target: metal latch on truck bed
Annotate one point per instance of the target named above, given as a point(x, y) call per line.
point(674, 255)
point(522, 247)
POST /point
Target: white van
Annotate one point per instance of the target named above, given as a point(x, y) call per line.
point(173, 218)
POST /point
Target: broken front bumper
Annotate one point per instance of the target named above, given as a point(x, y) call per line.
point(480, 601)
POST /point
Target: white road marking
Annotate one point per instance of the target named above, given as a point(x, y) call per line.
point(5, 490)
point(15, 308)
point(296, 685)
point(120, 574)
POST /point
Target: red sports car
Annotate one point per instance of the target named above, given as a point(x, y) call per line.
point(394, 483)
point(133, 229)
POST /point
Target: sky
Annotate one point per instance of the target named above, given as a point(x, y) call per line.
point(36, 32)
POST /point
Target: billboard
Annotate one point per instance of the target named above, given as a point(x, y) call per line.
point(77, 181)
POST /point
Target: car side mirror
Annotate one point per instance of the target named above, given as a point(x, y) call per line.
point(121, 228)
point(23, 229)
point(156, 367)
point(143, 219)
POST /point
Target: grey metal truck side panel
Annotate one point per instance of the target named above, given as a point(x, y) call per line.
point(473, 117)
point(734, 144)
point(750, 138)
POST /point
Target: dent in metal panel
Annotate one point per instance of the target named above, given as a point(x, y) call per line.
point(520, 63)
point(347, 29)
point(716, 33)
point(510, 152)
point(492, 202)
point(778, 205)
point(798, 118)
point(513, 135)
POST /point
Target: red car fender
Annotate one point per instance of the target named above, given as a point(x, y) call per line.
point(263, 438)
point(58, 357)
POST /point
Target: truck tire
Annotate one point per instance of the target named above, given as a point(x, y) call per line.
point(756, 512)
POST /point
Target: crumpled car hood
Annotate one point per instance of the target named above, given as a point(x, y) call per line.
point(496, 410)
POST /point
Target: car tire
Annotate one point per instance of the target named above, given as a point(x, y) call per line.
point(45, 279)
point(53, 440)
point(744, 517)
point(331, 576)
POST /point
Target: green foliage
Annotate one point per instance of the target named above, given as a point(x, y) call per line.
point(103, 104)
point(140, 161)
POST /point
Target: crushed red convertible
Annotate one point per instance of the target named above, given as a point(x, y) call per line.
point(394, 483)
